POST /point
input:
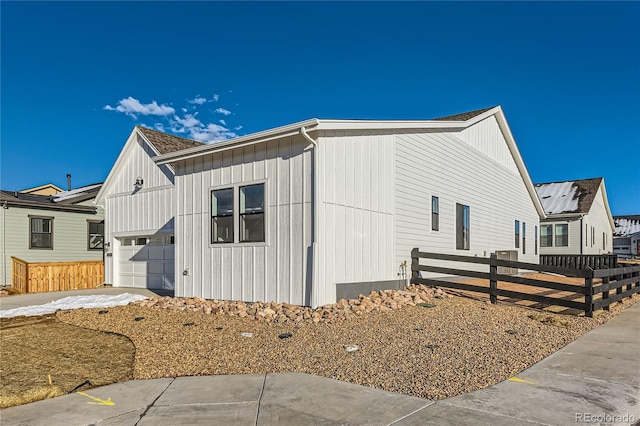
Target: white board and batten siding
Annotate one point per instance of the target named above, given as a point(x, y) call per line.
point(356, 209)
point(279, 268)
point(132, 212)
point(481, 175)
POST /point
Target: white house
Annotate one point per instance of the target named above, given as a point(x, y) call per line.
point(63, 227)
point(626, 237)
point(578, 219)
point(140, 205)
point(321, 209)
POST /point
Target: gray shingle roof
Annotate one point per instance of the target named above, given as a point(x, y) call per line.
point(53, 202)
point(463, 116)
point(165, 142)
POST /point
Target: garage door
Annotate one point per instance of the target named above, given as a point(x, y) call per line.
point(146, 262)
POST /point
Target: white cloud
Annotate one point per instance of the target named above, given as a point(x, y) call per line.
point(184, 109)
point(223, 122)
point(132, 107)
point(216, 97)
point(223, 111)
point(237, 128)
point(197, 100)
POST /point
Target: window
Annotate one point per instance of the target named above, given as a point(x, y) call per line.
point(252, 213)
point(546, 235)
point(462, 227)
point(586, 235)
point(95, 235)
point(40, 232)
point(535, 240)
point(247, 223)
point(604, 241)
point(517, 233)
point(593, 236)
point(562, 235)
point(435, 214)
point(222, 216)
point(524, 238)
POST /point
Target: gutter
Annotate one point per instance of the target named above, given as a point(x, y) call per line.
point(316, 210)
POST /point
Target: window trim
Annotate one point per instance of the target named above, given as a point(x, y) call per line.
point(89, 222)
point(546, 236)
point(524, 238)
point(517, 234)
point(236, 214)
point(463, 240)
point(435, 213)
point(555, 236)
point(50, 218)
point(233, 215)
point(535, 240)
point(241, 215)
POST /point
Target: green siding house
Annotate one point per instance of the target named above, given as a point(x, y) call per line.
point(66, 226)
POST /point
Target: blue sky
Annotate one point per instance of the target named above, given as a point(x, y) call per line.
point(77, 76)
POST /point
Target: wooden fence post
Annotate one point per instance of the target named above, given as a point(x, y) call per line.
point(414, 262)
point(493, 283)
point(605, 294)
point(588, 295)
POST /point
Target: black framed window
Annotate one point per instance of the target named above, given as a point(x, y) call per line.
point(252, 213)
point(524, 238)
point(562, 235)
point(462, 227)
point(95, 235)
point(435, 214)
point(546, 235)
point(517, 234)
point(40, 232)
point(222, 216)
point(535, 240)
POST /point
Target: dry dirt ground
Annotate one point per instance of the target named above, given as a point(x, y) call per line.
point(457, 346)
point(41, 357)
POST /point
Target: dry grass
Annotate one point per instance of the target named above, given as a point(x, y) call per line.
point(40, 357)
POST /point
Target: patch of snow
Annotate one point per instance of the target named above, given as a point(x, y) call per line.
point(559, 197)
point(65, 195)
point(73, 302)
point(626, 226)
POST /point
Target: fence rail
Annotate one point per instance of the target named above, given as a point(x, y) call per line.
point(40, 277)
point(624, 282)
point(580, 261)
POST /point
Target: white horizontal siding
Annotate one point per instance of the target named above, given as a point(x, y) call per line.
point(599, 220)
point(575, 237)
point(487, 138)
point(356, 210)
point(70, 238)
point(276, 271)
point(441, 164)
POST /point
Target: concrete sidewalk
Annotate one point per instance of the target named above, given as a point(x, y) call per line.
point(595, 379)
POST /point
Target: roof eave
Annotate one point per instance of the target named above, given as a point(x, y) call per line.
point(251, 139)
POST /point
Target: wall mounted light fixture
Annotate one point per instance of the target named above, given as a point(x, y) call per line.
point(138, 183)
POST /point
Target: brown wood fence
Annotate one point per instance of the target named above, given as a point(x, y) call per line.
point(40, 277)
point(611, 285)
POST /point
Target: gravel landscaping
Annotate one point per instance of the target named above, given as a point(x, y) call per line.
point(420, 342)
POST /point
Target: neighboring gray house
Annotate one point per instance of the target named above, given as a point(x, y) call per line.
point(578, 219)
point(304, 212)
point(140, 205)
point(65, 226)
point(626, 237)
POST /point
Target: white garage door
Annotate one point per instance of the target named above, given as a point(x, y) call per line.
point(146, 262)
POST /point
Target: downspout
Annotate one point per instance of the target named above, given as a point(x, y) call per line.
point(315, 296)
point(582, 236)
